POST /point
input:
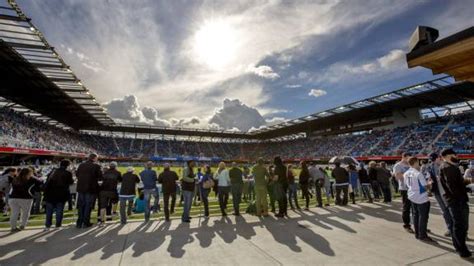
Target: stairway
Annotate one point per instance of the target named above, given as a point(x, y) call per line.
point(441, 133)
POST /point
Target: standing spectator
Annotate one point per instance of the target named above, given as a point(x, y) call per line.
point(21, 198)
point(56, 193)
point(249, 182)
point(88, 174)
point(398, 170)
point(417, 191)
point(261, 176)
point(237, 183)
point(469, 173)
point(271, 188)
point(292, 189)
point(327, 186)
point(187, 185)
point(342, 184)
point(383, 178)
point(365, 183)
point(353, 179)
point(373, 180)
point(433, 173)
point(197, 194)
point(317, 177)
point(456, 196)
point(108, 195)
point(168, 179)
point(127, 193)
point(205, 184)
point(304, 183)
point(281, 187)
point(5, 185)
point(149, 178)
point(223, 182)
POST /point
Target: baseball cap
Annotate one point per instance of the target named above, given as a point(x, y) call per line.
point(130, 169)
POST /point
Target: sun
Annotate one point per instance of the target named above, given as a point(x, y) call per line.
point(215, 44)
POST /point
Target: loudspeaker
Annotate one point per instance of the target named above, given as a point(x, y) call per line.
point(421, 37)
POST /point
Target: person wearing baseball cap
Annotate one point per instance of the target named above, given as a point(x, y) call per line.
point(455, 194)
point(433, 173)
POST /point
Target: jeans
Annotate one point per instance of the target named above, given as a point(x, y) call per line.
point(223, 198)
point(305, 192)
point(420, 219)
point(18, 206)
point(406, 208)
point(460, 216)
point(376, 189)
point(36, 203)
point(444, 209)
point(166, 201)
point(149, 193)
point(283, 203)
point(205, 199)
point(386, 191)
point(251, 191)
point(188, 201)
point(123, 205)
point(344, 189)
point(261, 202)
point(52, 207)
point(236, 197)
point(292, 195)
point(85, 204)
point(319, 198)
point(271, 194)
point(366, 190)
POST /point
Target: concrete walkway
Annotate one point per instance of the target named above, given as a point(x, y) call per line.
point(362, 234)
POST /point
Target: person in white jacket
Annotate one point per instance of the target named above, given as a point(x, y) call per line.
point(223, 186)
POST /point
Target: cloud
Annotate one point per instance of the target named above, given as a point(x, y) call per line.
point(235, 114)
point(264, 72)
point(292, 86)
point(317, 92)
point(275, 120)
point(127, 110)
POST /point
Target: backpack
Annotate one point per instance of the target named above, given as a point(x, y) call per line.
point(251, 208)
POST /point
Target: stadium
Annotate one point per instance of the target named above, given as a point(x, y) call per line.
point(47, 115)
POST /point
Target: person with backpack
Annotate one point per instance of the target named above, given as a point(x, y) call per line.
point(21, 197)
point(168, 179)
point(108, 196)
point(56, 193)
point(127, 193)
point(206, 182)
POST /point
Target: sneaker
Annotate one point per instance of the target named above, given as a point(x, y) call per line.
point(447, 234)
point(306, 209)
point(427, 239)
point(22, 227)
point(14, 230)
point(327, 205)
point(186, 221)
point(46, 229)
point(466, 255)
point(409, 230)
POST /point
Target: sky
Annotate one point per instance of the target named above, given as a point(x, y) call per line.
point(238, 65)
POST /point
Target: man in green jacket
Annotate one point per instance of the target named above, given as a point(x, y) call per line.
point(261, 176)
point(237, 183)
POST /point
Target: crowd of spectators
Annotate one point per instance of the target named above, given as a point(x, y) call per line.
point(18, 130)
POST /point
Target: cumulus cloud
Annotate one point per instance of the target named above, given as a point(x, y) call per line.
point(235, 114)
point(317, 92)
point(293, 86)
point(127, 110)
point(263, 71)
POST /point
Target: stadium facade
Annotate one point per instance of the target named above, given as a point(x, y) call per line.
point(38, 84)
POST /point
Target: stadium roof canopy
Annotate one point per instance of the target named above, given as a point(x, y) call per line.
point(34, 76)
point(435, 93)
point(453, 55)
